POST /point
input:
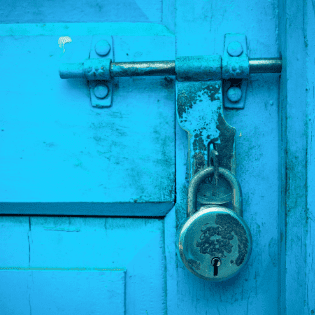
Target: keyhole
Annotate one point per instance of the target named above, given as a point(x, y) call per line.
point(216, 262)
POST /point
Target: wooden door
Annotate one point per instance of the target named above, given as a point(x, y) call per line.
point(91, 198)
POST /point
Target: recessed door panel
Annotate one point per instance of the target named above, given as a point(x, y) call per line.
point(63, 156)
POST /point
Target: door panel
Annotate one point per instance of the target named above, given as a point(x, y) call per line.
point(297, 41)
point(200, 29)
point(62, 156)
point(81, 11)
point(42, 291)
point(90, 255)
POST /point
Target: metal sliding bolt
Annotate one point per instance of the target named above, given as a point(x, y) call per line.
point(160, 68)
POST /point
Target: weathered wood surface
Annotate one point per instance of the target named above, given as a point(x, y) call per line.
point(73, 11)
point(310, 188)
point(274, 148)
point(67, 291)
point(35, 249)
point(296, 31)
point(200, 29)
point(62, 156)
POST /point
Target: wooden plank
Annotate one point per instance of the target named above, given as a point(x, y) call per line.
point(44, 251)
point(201, 28)
point(134, 244)
point(170, 258)
point(15, 241)
point(82, 11)
point(84, 29)
point(40, 291)
point(283, 162)
point(169, 14)
point(59, 150)
point(294, 23)
point(122, 209)
point(310, 97)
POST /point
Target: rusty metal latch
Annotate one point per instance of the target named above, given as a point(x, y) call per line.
point(161, 68)
point(204, 84)
point(164, 68)
point(234, 67)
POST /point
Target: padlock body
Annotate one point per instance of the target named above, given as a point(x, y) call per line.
point(214, 232)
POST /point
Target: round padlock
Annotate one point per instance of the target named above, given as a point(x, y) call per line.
point(215, 242)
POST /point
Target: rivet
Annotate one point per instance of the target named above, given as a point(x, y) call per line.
point(101, 91)
point(234, 94)
point(102, 48)
point(235, 49)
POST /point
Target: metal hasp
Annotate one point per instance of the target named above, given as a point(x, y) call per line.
point(200, 113)
point(204, 84)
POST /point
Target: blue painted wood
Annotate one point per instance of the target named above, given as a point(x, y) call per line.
point(14, 241)
point(40, 291)
point(310, 94)
point(64, 150)
point(274, 282)
point(171, 272)
point(123, 209)
point(83, 29)
point(81, 11)
point(134, 245)
point(200, 29)
point(297, 97)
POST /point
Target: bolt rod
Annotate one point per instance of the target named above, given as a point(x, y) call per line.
point(162, 68)
point(265, 65)
point(142, 68)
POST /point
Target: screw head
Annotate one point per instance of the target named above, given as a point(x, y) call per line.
point(235, 49)
point(234, 94)
point(101, 91)
point(102, 48)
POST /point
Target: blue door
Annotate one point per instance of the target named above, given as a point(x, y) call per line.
point(92, 196)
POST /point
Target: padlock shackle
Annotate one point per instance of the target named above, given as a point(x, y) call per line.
point(200, 176)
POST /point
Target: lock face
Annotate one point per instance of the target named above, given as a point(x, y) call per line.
point(215, 243)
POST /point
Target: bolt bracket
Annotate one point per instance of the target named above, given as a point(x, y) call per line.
point(235, 68)
point(238, 83)
point(98, 65)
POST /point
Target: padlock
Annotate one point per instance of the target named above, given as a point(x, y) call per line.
point(214, 243)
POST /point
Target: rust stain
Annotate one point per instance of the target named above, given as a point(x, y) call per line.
point(188, 95)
